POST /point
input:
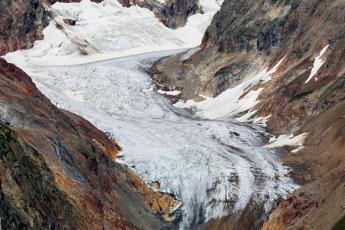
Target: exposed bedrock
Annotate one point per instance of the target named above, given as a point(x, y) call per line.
point(21, 23)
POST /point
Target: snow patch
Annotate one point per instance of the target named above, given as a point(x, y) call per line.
point(262, 121)
point(287, 140)
point(232, 101)
point(318, 63)
point(170, 93)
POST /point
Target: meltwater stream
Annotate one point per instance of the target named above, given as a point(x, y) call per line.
point(214, 167)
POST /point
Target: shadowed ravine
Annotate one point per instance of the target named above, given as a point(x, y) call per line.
point(215, 167)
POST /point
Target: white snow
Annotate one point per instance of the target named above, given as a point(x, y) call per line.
point(232, 101)
point(171, 93)
point(215, 167)
point(296, 150)
point(318, 63)
point(108, 30)
point(287, 140)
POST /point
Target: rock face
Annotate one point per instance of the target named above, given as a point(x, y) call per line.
point(305, 94)
point(58, 170)
point(28, 194)
point(172, 13)
point(21, 23)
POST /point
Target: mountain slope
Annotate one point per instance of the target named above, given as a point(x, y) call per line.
point(29, 196)
point(301, 45)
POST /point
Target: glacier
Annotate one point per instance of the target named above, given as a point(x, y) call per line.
point(215, 167)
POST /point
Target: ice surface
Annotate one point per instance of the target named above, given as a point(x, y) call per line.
point(215, 167)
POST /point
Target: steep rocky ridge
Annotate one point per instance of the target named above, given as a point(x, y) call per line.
point(305, 94)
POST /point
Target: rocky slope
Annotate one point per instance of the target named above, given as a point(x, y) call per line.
point(21, 23)
point(304, 94)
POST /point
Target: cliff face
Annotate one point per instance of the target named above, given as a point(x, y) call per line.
point(172, 13)
point(304, 95)
point(21, 23)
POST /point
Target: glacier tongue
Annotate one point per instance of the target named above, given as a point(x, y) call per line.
point(215, 167)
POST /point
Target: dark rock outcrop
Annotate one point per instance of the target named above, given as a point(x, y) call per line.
point(29, 196)
point(21, 23)
point(70, 21)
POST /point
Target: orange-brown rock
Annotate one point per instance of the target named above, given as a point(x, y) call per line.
point(158, 202)
point(21, 24)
